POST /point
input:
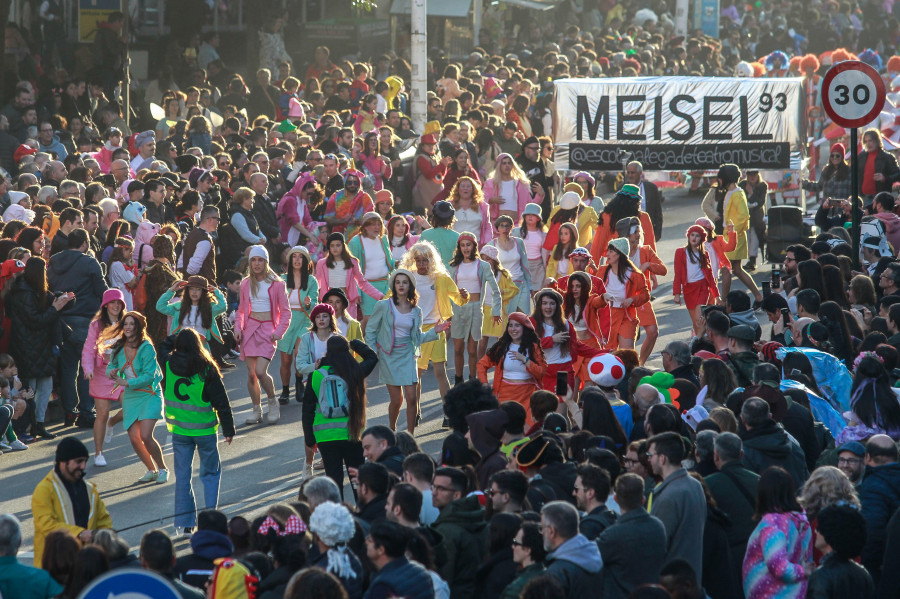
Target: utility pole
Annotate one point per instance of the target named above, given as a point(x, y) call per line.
point(418, 54)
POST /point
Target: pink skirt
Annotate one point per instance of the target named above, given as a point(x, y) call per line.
point(256, 341)
point(101, 386)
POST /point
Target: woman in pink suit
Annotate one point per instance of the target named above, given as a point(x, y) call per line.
point(340, 270)
point(262, 317)
point(508, 190)
point(94, 361)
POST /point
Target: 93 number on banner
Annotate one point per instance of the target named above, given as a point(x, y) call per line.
point(767, 102)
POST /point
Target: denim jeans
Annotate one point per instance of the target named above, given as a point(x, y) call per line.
point(210, 473)
point(42, 388)
point(74, 390)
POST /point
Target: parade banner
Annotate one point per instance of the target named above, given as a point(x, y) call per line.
point(679, 123)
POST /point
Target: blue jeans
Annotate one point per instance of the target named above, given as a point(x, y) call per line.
point(74, 390)
point(42, 389)
point(210, 473)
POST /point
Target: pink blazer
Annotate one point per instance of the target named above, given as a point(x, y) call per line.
point(94, 362)
point(522, 192)
point(354, 278)
point(287, 212)
point(281, 309)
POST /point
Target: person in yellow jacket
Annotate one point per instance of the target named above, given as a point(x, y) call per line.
point(64, 500)
point(437, 294)
point(726, 204)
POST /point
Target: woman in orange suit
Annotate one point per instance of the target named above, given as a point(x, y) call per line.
point(650, 264)
point(518, 363)
point(588, 313)
point(626, 291)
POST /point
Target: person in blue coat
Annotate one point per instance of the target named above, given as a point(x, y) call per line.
point(394, 331)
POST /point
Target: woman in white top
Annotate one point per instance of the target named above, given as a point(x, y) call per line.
point(262, 318)
point(472, 214)
point(558, 264)
point(371, 248)
point(513, 258)
point(508, 189)
point(531, 230)
point(340, 270)
point(401, 238)
point(121, 271)
point(475, 276)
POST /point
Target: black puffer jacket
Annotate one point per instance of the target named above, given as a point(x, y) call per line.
point(35, 331)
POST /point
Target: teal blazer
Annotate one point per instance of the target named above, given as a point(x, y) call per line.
point(380, 329)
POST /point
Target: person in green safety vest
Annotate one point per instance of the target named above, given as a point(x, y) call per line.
point(338, 438)
point(196, 404)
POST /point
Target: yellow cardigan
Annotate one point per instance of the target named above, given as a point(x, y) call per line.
point(736, 211)
point(587, 222)
point(447, 294)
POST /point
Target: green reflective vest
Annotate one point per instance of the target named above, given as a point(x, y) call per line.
point(327, 429)
point(187, 413)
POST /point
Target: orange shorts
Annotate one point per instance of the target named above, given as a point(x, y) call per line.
point(620, 326)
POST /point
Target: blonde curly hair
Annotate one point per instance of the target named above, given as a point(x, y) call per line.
point(423, 249)
point(826, 486)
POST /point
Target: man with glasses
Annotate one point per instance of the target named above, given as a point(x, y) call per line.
point(49, 142)
point(461, 524)
point(199, 254)
point(852, 461)
point(346, 207)
point(507, 491)
point(794, 255)
point(591, 491)
point(119, 169)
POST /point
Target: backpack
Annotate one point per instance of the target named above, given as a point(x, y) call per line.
point(139, 295)
point(333, 400)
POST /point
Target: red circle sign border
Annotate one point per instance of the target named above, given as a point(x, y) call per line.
point(853, 65)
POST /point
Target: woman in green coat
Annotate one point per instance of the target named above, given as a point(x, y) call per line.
point(134, 368)
point(303, 293)
point(204, 304)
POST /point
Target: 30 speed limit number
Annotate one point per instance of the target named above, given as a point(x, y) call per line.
point(852, 94)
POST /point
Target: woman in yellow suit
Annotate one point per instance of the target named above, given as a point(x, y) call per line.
point(726, 204)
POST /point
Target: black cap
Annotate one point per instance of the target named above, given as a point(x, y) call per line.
point(338, 292)
point(742, 331)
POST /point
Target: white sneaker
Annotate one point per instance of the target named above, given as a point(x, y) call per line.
point(308, 471)
point(4, 446)
point(110, 431)
point(99, 460)
point(149, 477)
point(274, 411)
point(18, 446)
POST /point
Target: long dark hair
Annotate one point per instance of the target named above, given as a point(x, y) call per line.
point(600, 419)
point(559, 323)
point(118, 228)
point(560, 252)
point(832, 316)
point(346, 255)
point(103, 314)
point(622, 267)
point(117, 332)
point(565, 216)
point(344, 365)
point(199, 360)
point(569, 300)
point(306, 270)
point(205, 307)
point(834, 285)
point(526, 347)
point(810, 272)
point(700, 258)
point(719, 378)
point(872, 399)
point(796, 360)
point(458, 257)
point(621, 206)
point(35, 276)
point(839, 172)
point(412, 296)
point(776, 493)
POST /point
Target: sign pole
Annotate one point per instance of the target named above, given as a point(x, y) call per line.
point(853, 95)
point(856, 209)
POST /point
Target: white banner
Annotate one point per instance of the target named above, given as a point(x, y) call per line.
point(679, 123)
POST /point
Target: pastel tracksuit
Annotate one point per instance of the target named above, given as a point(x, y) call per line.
point(518, 391)
point(256, 335)
point(172, 308)
point(356, 281)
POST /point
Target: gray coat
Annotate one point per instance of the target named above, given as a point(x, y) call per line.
point(679, 502)
point(634, 551)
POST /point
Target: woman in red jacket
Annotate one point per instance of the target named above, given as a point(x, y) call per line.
point(626, 290)
point(693, 275)
point(518, 363)
point(650, 264)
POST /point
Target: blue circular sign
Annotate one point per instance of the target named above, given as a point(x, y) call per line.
point(130, 583)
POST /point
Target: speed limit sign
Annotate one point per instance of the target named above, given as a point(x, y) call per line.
point(852, 94)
